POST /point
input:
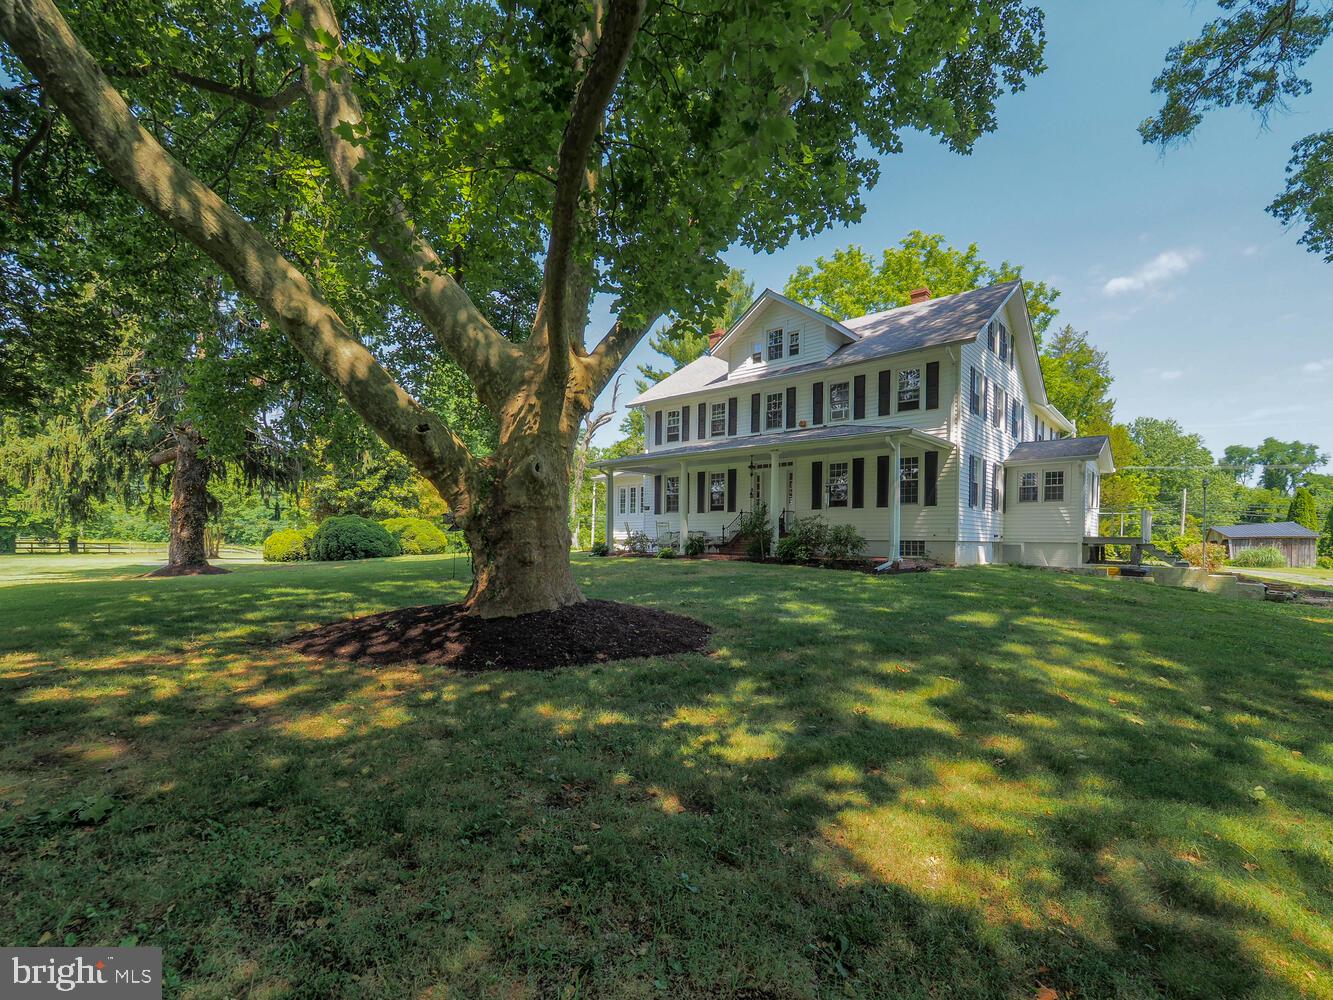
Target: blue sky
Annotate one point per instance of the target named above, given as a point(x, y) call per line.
point(1210, 311)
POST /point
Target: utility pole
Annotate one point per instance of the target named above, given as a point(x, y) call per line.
point(1184, 495)
point(1203, 526)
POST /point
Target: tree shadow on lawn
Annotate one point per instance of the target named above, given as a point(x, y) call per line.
point(969, 784)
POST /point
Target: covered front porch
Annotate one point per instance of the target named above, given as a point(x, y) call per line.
point(862, 476)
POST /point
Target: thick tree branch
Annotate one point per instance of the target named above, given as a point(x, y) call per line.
point(616, 38)
point(164, 457)
point(613, 349)
point(491, 361)
point(41, 38)
point(42, 130)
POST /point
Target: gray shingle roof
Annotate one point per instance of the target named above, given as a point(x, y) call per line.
point(1059, 449)
point(1282, 529)
point(933, 323)
point(758, 442)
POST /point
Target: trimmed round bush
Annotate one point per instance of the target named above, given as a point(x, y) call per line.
point(1324, 562)
point(288, 545)
point(1266, 557)
point(600, 549)
point(351, 537)
point(416, 536)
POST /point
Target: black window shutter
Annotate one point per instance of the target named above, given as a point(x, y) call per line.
point(657, 494)
point(932, 385)
point(754, 413)
point(731, 416)
point(816, 485)
point(817, 403)
point(702, 496)
point(684, 423)
point(859, 398)
point(932, 478)
point(657, 427)
point(882, 481)
point(703, 421)
point(885, 392)
point(791, 407)
point(731, 491)
point(859, 478)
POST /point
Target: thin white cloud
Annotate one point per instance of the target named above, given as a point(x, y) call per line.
point(1163, 267)
point(1317, 367)
point(1171, 375)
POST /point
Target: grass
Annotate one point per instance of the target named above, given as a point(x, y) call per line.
point(975, 783)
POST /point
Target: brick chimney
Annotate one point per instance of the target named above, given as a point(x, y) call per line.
point(919, 295)
point(717, 334)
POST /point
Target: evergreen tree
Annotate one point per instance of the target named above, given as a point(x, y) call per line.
point(1302, 509)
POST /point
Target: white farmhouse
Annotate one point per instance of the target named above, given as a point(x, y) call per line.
point(926, 426)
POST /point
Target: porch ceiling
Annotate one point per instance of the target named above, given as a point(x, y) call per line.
point(785, 443)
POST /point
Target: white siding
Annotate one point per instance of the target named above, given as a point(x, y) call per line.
point(981, 528)
point(817, 341)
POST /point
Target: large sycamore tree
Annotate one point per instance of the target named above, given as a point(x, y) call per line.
point(611, 147)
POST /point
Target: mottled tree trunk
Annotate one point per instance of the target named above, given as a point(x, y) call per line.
point(517, 527)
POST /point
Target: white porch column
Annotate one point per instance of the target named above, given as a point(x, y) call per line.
point(776, 497)
point(683, 498)
point(896, 502)
point(610, 510)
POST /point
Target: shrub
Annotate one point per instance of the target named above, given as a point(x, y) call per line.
point(351, 537)
point(1192, 553)
point(1302, 509)
point(639, 543)
point(1324, 562)
point(416, 536)
point(666, 552)
point(753, 525)
point(805, 540)
point(600, 549)
point(695, 546)
point(288, 545)
point(1266, 557)
point(843, 542)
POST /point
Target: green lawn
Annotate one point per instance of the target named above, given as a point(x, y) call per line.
point(972, 783)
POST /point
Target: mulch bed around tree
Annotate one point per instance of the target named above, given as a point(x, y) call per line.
point(445, 635)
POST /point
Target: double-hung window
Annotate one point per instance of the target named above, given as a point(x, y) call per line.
point(975, 398)
point(1004, 348)
point(717, 423)
point(839, 401)
point(793, 343)
point(837, 484)
point(672, 494)
point(773, 412)
point(996, 485)
point(633, 499)
point(909, 389)
point(623, 491)
point(997, 413)
point(990, 336)
point(1027, 488)
point(717, 491)
point(673, 425)
point(972, 480)
point(1055, 486)
point(775, 345)
point(909, 482)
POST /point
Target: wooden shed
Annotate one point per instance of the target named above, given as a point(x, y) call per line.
point(1295, 541)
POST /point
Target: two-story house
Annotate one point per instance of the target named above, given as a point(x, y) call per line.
point(926, 426)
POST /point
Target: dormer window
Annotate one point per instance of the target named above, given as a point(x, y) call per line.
point(793, 343)
point(673, 425)
point(839, 406)
point(775, 338)
point(757, 355)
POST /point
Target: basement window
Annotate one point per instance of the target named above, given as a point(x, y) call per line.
point(914, 548)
